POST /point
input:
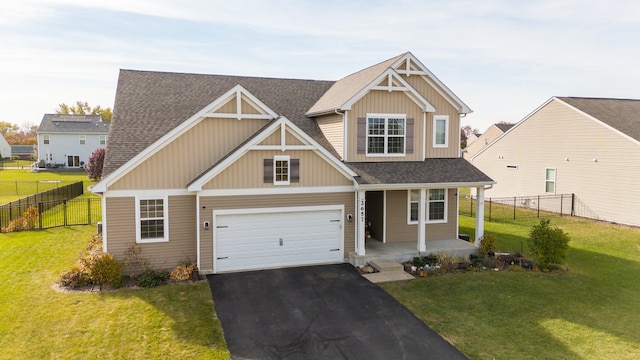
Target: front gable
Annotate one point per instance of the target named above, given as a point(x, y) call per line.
point(248, 166)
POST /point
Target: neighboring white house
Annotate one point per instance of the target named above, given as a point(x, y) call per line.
point(69, 140)
point(5, 148)
point(586, 146)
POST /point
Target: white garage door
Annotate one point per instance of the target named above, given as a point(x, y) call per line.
point(267, 238)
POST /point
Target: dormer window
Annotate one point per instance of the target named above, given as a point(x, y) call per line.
point(386, 134)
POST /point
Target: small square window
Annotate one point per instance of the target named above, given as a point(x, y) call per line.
point(281, 167)
point(83, 139)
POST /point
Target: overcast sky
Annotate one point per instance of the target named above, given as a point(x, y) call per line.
point(502, 58)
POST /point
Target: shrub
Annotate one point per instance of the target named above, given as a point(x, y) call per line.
point(28, 220)
point(75, 278)
point(151, 278)
point(548, 244)
point(488, 243)
point(134, 263)
point(182, 272)
point(105, 270)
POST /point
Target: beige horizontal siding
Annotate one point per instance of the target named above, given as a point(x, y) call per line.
point(121, 232)
point(333, 129)
point(558, 137)
point(397, 214)
point(248, 172)
point(188, 156)
point(209, 204)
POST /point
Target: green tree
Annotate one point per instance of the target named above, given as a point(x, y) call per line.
point(549, 244)
point(7, 127)
point(83, 108)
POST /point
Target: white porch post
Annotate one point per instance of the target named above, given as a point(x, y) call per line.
point(361, 206)
point(479, 216)
point(422, 211)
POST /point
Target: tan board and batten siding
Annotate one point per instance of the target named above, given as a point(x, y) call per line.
point(248, 172)
point(209, 204)
point(202, 146)
point(398, 228)
point(556, 136)
point(162, 255)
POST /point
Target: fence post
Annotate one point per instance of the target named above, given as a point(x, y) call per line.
point(471, 204)
point(573, 202)
point(489, 209)
point(561, 201)
point(88, 211)
point(40, 213)
point(514, 208)
point(538, 206)
point(64, 208)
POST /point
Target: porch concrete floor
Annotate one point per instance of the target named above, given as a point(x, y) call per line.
point(407, 250)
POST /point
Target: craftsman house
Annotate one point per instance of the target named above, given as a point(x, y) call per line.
point(68, 140)
point(588, 147)
point(242, 173)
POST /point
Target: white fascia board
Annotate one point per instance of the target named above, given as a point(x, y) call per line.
point(446, 185)
point(277, 191)
point(463, 108)
point(178, 131)
point(416, 97)
point(512, 128)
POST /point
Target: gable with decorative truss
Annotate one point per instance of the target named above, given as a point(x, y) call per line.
point(240, 104)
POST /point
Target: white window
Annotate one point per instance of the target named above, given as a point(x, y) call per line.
point(103, 139)
point(152, 223)
point(281, 170)
point(435, 206)
point(550, 181)
point(83, 139)
point(45, 138)
point(441, 131)
point(386, 134)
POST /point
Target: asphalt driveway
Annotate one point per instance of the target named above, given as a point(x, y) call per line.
point(319, 312)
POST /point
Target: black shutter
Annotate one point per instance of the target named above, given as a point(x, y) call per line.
point(409, 145)
point(295, 170)
point(362, 135)
point(268, 170)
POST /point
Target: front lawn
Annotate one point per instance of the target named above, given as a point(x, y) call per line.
point(174, 321)
point(591, 311)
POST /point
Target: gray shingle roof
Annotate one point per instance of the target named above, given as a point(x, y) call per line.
point(430, 171)
point(22, 149)
point(150, 104)
point(621, 114)
point(73, 124)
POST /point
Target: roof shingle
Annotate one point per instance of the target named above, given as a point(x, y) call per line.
point(621, 114)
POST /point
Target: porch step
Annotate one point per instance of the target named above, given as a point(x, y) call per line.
point(386, 265)
point(388, 270)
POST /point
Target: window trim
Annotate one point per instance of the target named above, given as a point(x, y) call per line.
point(83, 139)
point(277, 158)
point(46, 139)
point(547, 180)
point(102, 140)
point(427, 201)
point(437, 118)
point(165, 217)
point(386, 136)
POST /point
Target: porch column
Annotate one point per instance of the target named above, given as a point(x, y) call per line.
point(422, 212)
point(361, 206)
point(479, 216)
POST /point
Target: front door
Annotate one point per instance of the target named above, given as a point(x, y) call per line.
point(73, 161)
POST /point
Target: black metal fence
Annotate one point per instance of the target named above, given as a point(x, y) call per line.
point(28, 187)
point(522, 207)
point(49, 214)
point(55, 207)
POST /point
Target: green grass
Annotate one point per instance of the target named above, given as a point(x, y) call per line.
point(15, 184)
point(16, 163)
point(591, 311)
point(175, 321)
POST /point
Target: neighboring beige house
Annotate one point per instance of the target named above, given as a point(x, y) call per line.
point(242, 173)
point(586, 146)
point(481, 140)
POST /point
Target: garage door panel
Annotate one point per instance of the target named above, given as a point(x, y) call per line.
point(252, 241)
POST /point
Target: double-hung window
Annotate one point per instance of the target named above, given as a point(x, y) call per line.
point(386, 135)
point(550, 181)
point(103, 139)
point(83, 139)
point(152, 223)
point(435, 206)
point(440, 131)
point(45, 139)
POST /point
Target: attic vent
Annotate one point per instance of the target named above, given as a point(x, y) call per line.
point(57, 124)
point(512, 166)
